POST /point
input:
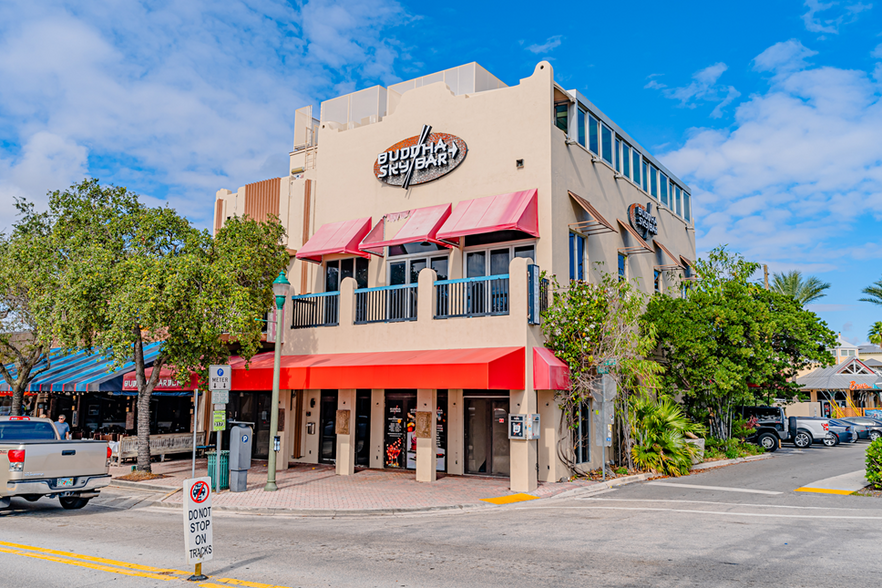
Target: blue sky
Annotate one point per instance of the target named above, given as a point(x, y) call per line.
point(770, 111)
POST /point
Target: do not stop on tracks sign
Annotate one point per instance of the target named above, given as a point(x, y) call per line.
point(198, 541)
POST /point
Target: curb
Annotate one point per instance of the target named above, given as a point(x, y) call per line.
point(725, 462)
point(608, 485)
point(142, 485)
point(331, 513)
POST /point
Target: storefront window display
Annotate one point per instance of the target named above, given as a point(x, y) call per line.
point(400, 425)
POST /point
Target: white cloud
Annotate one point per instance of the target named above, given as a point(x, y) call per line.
point(800, 165)
point(703, 87)
point(819, 24)
point(783, 57)
point(546, 47)
point(181, 95)
point(877, 52)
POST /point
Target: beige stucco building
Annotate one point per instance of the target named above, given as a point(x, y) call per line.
point(413, 334)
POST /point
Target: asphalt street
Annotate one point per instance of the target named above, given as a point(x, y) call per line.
point(742, 525)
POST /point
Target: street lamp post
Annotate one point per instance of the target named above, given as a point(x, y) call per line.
point(280, 289)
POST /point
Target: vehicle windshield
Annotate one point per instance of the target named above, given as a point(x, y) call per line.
point(26, 431)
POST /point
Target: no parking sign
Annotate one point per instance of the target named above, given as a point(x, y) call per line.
point(198, 542)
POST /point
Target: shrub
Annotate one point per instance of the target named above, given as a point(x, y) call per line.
point(658, 431)
point(874, 464)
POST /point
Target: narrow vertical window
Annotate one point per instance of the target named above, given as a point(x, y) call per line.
point(663, 189)
point(626, 160)
point(687, 206)
point(606, 141)
point(653, 176)
point(592, 134)
point(581, 121)
point(618, 154)
point(580, 257)
point(645, 178)
point(656, 277)
point(572, 256)
point(636, 161)
point(623, 264)
point(679, 209)
point(560, 116)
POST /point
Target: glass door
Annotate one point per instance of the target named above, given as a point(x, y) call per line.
point(486, 436)
point(328, 427)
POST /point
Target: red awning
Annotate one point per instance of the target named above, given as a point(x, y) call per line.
point(422, 225)
point(495, 368)
point(517, 211)
point(342, 237)
point(166, 381)
point(549, 373)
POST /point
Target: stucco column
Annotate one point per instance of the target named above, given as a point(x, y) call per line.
point(455, 433)
point(551, 469)
point(347, 303)
point(426, 434)
point(345, 427)
point(523, 453)
point(378, 424)
point(426, 295)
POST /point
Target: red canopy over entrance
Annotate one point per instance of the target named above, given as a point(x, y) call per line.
point(517, 211)
point(495, 368)
point(549, 373)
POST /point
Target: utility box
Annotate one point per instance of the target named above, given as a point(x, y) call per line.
point(241, 437)
point(523, 426)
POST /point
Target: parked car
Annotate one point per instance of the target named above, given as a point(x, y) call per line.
point(35, 462)
point(845, 432)
point(773, 426)
point(873, 427)
point(817, 427)
point(838, 432)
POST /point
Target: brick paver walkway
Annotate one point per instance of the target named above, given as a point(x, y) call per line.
point(314, 487)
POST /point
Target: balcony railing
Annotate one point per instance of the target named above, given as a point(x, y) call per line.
point(471, 297)
point(386, 304)
point(316, 310)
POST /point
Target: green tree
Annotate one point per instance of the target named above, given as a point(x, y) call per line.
point(804, 290)
point(875, 333)
point(131, 274)
point(731, 342)
point(595, 328)
point(25, 284)
point(873, 292)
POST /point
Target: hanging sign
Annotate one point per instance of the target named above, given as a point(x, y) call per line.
point(642, 220)
point(420, 159)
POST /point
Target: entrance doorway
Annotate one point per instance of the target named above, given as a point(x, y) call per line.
point(328, 427)
point(399, 430)
point(486, 435)
point(253, 407)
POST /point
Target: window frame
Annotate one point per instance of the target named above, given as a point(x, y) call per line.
point(511, 245)
point(622, 266)
point(427, 255)
point(573, 261)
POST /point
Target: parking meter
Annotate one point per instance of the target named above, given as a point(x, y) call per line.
point(241, 438)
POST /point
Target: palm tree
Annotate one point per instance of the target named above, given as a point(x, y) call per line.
point(804, 290)
point(874, 293)
point(875, 333)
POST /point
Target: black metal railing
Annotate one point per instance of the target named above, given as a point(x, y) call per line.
point(386, 304)
point(488, 295)
point(544, 295)
point(316, 310)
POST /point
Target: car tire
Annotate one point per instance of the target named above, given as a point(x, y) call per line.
point(831, 440)
point(769, 442)
point(803, 439)
point(875, 435)
point(73, 502)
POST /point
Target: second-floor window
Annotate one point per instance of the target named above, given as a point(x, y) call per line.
point(339, 269)
point(577, 257)
point(623, 267)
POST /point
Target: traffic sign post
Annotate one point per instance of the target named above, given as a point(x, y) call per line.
point(220, 378)
point(198, 539)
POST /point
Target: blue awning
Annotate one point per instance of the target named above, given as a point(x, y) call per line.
point(81, 372)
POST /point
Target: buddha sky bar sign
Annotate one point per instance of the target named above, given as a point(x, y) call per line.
point(420, 159)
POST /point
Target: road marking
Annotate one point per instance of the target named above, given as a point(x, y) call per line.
point(117, 567)
point(510, 499)
point(844, 484)
point(712, 502)
point(721, 488)
point(713, 512)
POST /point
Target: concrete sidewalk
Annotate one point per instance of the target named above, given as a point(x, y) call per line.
point(316, 489)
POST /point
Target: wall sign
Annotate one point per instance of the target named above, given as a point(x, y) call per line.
point(420, 159)
point(642, 220)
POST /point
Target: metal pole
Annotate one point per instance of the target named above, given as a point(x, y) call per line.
point(195, 427)
point(274, 406)
point(217, 460)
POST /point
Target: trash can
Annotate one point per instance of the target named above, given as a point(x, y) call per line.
point(224, 469)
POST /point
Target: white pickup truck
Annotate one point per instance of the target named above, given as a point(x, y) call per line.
point(36, 462)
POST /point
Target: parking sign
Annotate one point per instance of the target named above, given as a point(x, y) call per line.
point(219, 377)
